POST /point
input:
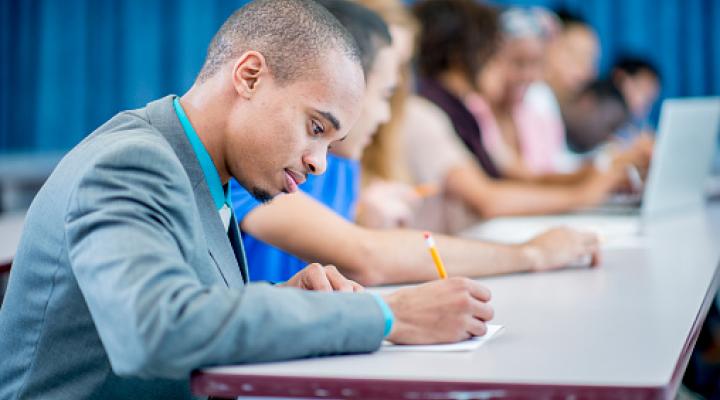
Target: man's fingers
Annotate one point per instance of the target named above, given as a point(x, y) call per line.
point(482, 311)
point(478, 291)
point(315, 279)
point(327, 279)
point(339, 283)
point(476, 327)
point(357, 287)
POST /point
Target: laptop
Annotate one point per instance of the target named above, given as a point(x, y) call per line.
point(683, 156)
point(684, 150)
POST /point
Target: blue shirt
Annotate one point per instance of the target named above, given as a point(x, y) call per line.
point(338, 189)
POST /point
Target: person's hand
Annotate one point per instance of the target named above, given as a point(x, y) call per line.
point(323, 279)
point(605, 178)
point(384, 204)
point(562, 247)
point(443, 311)
point(640, 151)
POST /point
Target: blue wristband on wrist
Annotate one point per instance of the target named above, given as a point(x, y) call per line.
point(387, 313)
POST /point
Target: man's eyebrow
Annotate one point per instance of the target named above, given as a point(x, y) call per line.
point(328, 116)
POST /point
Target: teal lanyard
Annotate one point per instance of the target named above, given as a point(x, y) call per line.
point(219, 195)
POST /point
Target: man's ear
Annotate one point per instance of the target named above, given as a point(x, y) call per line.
point(248, 71)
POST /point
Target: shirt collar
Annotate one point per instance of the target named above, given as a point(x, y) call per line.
point(219, 194)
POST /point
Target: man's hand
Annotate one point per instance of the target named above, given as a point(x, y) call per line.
point(562, 247)
point(443, 311)
point(323, 279)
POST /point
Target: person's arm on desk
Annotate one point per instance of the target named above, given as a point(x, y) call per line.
point(490, 198)
point(374, 257)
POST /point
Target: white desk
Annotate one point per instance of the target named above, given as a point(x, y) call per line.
point(624, 330)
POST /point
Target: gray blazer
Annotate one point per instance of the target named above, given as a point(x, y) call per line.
point(125, 280)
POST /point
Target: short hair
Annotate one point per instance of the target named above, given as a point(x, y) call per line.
point(286, 32)
point(604, 90)
point(456, 33)
point(533, 22)
point(588, 129)
point(368, 29)
point(568, 18)
point(633, 65)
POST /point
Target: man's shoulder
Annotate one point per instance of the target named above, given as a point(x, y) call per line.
point(127, 137)
point(126, 127)
point(125, 146)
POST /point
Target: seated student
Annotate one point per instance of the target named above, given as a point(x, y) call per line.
point(595, 113)
point(451, 55)
point(593, 120)
point(571, 60)
point(523, 143)
point(130, 271)
point(387, 200)
point(639, 82)
point(299, 224)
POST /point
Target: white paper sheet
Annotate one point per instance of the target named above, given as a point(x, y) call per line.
point(467, 345)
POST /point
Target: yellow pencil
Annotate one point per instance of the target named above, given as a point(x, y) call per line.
point(435, 255)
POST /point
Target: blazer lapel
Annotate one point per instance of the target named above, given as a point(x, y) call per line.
point(217, 239)
point(162, 116)
point(238, 248)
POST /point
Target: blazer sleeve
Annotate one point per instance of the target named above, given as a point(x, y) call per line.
point(127, 230)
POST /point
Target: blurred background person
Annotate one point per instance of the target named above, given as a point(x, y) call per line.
point(571, 63)
point(639, 81)
point(387, 198)
point(523, 142)
point(456, 40)
point(597, 112)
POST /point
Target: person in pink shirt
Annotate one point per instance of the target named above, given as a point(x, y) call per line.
point(525, 142)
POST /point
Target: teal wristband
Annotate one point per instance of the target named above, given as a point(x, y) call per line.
point(387, 313)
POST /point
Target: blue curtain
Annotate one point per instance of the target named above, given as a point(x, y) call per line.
point(68, 65)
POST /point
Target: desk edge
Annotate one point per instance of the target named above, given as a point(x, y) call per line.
point(233, 385)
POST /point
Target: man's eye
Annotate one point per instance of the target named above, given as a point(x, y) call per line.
point(317, 129)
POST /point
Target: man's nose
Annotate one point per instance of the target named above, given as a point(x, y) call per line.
point(315, 162)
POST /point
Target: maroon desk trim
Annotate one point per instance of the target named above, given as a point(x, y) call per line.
point(5, 266)
point(231, 385)
point(227, 385)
